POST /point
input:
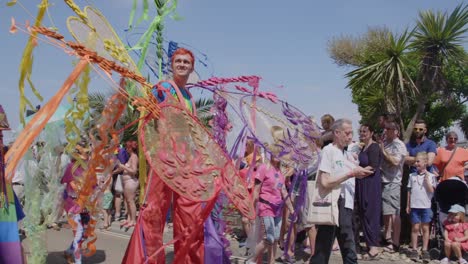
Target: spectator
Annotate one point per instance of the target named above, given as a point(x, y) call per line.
point(269, 193)
point(327, 121)
point(421, 186)
point(107, 198)
point(251, 158)
point(130, 183)
point(337, 170)
point(420, 143)
point(394, 153)
point(455, 235)
point(450, 160)
point(123, 157)
point(369, 192)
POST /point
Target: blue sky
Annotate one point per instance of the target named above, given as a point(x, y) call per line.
point(284, 42)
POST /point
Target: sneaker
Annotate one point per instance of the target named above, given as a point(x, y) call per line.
point(425, 255)
point(413, 254)
point(462, 261)
point(445, 261)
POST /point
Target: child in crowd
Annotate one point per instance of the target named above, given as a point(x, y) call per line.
point(269, 193)
point(107, 199)
point(421, 185)
point(78, 217)
point(455, 234)
point(247, 171)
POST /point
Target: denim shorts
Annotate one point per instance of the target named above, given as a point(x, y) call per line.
point(421, 215)
point(271, 227)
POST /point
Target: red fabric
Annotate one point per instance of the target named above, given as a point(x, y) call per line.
point(187, 214)
point(149, 230)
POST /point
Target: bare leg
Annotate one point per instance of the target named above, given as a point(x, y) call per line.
point(246, 225)
point(292, 239)
point(131, 207)
point(448, 249)
point(272, 255)
point(395, 219)
point(259, 250)
point(425, 231)
point(457, 249)
point(284, 226)
point(414, 235)
point(387, 227)
point(312, 234)
point(118, 205)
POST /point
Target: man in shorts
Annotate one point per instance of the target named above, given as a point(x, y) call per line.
point(394, 152)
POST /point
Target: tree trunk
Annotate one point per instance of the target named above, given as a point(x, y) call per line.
point(419, 111)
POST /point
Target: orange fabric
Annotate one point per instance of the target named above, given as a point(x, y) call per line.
point(455, 167)
point(38, 122)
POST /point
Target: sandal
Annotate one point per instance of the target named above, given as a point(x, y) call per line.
point(128, 225)
point(370, 257)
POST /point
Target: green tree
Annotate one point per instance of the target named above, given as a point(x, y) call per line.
point(417, 74)
point(438, 42)
point(390, 75)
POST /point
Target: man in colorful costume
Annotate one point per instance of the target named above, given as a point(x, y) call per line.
point(186, 212)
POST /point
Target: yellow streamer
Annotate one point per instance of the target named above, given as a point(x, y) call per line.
point(27, 62)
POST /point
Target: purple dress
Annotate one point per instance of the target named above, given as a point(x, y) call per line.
point(369, 195)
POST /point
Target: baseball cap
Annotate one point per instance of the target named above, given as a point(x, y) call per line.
point(456, 209)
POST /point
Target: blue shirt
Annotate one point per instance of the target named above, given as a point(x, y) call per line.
point(426, 146)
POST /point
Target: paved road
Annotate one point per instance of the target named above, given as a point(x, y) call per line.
point(111, 247)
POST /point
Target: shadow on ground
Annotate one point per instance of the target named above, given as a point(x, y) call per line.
point(58, 258)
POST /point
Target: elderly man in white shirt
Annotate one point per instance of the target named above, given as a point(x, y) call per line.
point(338, 168)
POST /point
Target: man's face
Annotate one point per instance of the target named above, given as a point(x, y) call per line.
point(419, 130)
point(345, 135)
point(391, 132)
point(325, 124)
point(182, 65)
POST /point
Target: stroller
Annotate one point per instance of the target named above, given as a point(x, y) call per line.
point(447, 193)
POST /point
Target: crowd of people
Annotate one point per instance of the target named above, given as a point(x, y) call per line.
point(374, 179)
point(377, 177)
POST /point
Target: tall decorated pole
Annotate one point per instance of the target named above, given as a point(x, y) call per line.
point(163, 9)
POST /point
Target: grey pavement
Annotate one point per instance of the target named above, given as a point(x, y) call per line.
point(111, 246)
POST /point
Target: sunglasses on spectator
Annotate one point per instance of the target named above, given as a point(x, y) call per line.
point(418, 129)
point(453, 138)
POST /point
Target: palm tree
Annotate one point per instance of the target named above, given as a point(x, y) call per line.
point(97, 102)
point(204, 114)
point(390, 73)
point(438, 39)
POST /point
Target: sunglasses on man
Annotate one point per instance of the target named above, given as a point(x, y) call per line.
point(418, 129)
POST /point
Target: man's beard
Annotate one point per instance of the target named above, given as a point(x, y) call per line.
point(417, 136)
